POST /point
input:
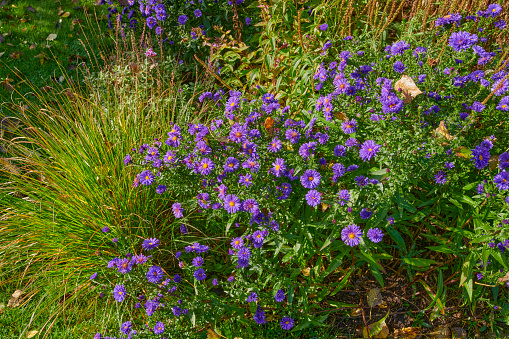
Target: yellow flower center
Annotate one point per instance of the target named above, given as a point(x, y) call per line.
point(480, 157)
point(351, 235)
point(205, 165)
point(174, 138)
point(232, 203)
point(232, 104)
point(230, 164)
point(278, 167)
point(370, 150)
point(119, 292)
point(153, 153)
point(310, 178)
point(146, 177)
point(238, 134)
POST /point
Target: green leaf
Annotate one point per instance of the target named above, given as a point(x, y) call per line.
point(420, 262)
point(396, 236)
point(342, 283)
point(339, 304)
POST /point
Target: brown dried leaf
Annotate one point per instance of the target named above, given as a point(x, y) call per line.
point(384, 332)
point(374, 297)
point(505, 278)
point(324, 206)
point(341, 116)
point(269, 123)
point(407, 332)
point(356, 312)
point(65, 15)
point(409, 89)
point(440, 332)
point(14, 301)
point(306, 271)
point(31, 9)
point(493, 162)
point(441, 130)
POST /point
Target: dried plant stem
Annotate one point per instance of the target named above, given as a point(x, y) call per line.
point(393, 16)
point(495, 89)
point(299, 30)
point(218, 78)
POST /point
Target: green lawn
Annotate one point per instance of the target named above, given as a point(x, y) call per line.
point(41, 40)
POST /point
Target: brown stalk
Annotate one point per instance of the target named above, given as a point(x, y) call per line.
point(299, 30)
point(211, 72)
point(384, 13)
point(393, 16)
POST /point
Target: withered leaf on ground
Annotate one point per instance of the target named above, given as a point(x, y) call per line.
point(407, 332)
point(14, 301)
point(31, 9)
point(459, 333)
point(374, 297)
point(409, 89)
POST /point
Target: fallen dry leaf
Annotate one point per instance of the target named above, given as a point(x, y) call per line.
point(493, 162)
point(32, 334)
point(409, 89)
point(341, 116)
point(440, 332)
point(51, 37)
point(14, 301)
point(441, 130)
point(306, 271)
point(65, 15)
point(356, 312)
point(374, 297)
point(504, 278)
point(31, 9)
point(407, 332)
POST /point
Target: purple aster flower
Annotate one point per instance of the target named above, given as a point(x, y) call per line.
point(275, 145)
point(502, 181)
point(126, 327)
point(151, 307)
point(365, 213)
point(221, 191)
point(161, 189)
point(500, 87)
point(368, 150)
point(206, 166)
point(441, 177)
point(306, 150)
point(313, 198)
point(287, 323)
point(232, 203)
point(338, 171)
point(146, 178)
point(248, 21)
point(349, 126)
point(292, 135)
point(449, 165)
point(340, 151)
point(159, 328)
point(199, 274)
point(375, 235)
point(480, 157)
point(197, 262)
point(253, 297)
point(280, 296)
point(127, 160)
point(251, 164)
point(105, 229)
point(237, 243)
point(214, 282)
point(259, 316)
point(150, 243)
point(310, 178)
point(323, 27)
point(399, 67)
point(155, 274)
point(151, 22)
point(503, 160)
point(278, 167)
point(390, 220)
point(503, 105)
point(460, 41)
point(351, 142)
point(124, 265)
point(344, 197)
point(177, 210)
point(351, 235)
point(182, 20)
point(250, 205)
point(493, 10)
point(244, 252)
point(119, 293)
point(197, 13)
point(93, 276)
point(231, 278)
point(177, 278)
point(246, 180)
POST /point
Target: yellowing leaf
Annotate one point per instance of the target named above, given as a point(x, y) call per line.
point(51, 37)
point(306, 271)
point(409, 89)
point(440, 332)
point(463, 152)
point(211, 334)
point(377, 330)
point(441, 130)
point(32, 334)
point(407, 332)
point(340, 115)
point(493, 162)
point(374, 297)
point(65, 15)
point(269, 123)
